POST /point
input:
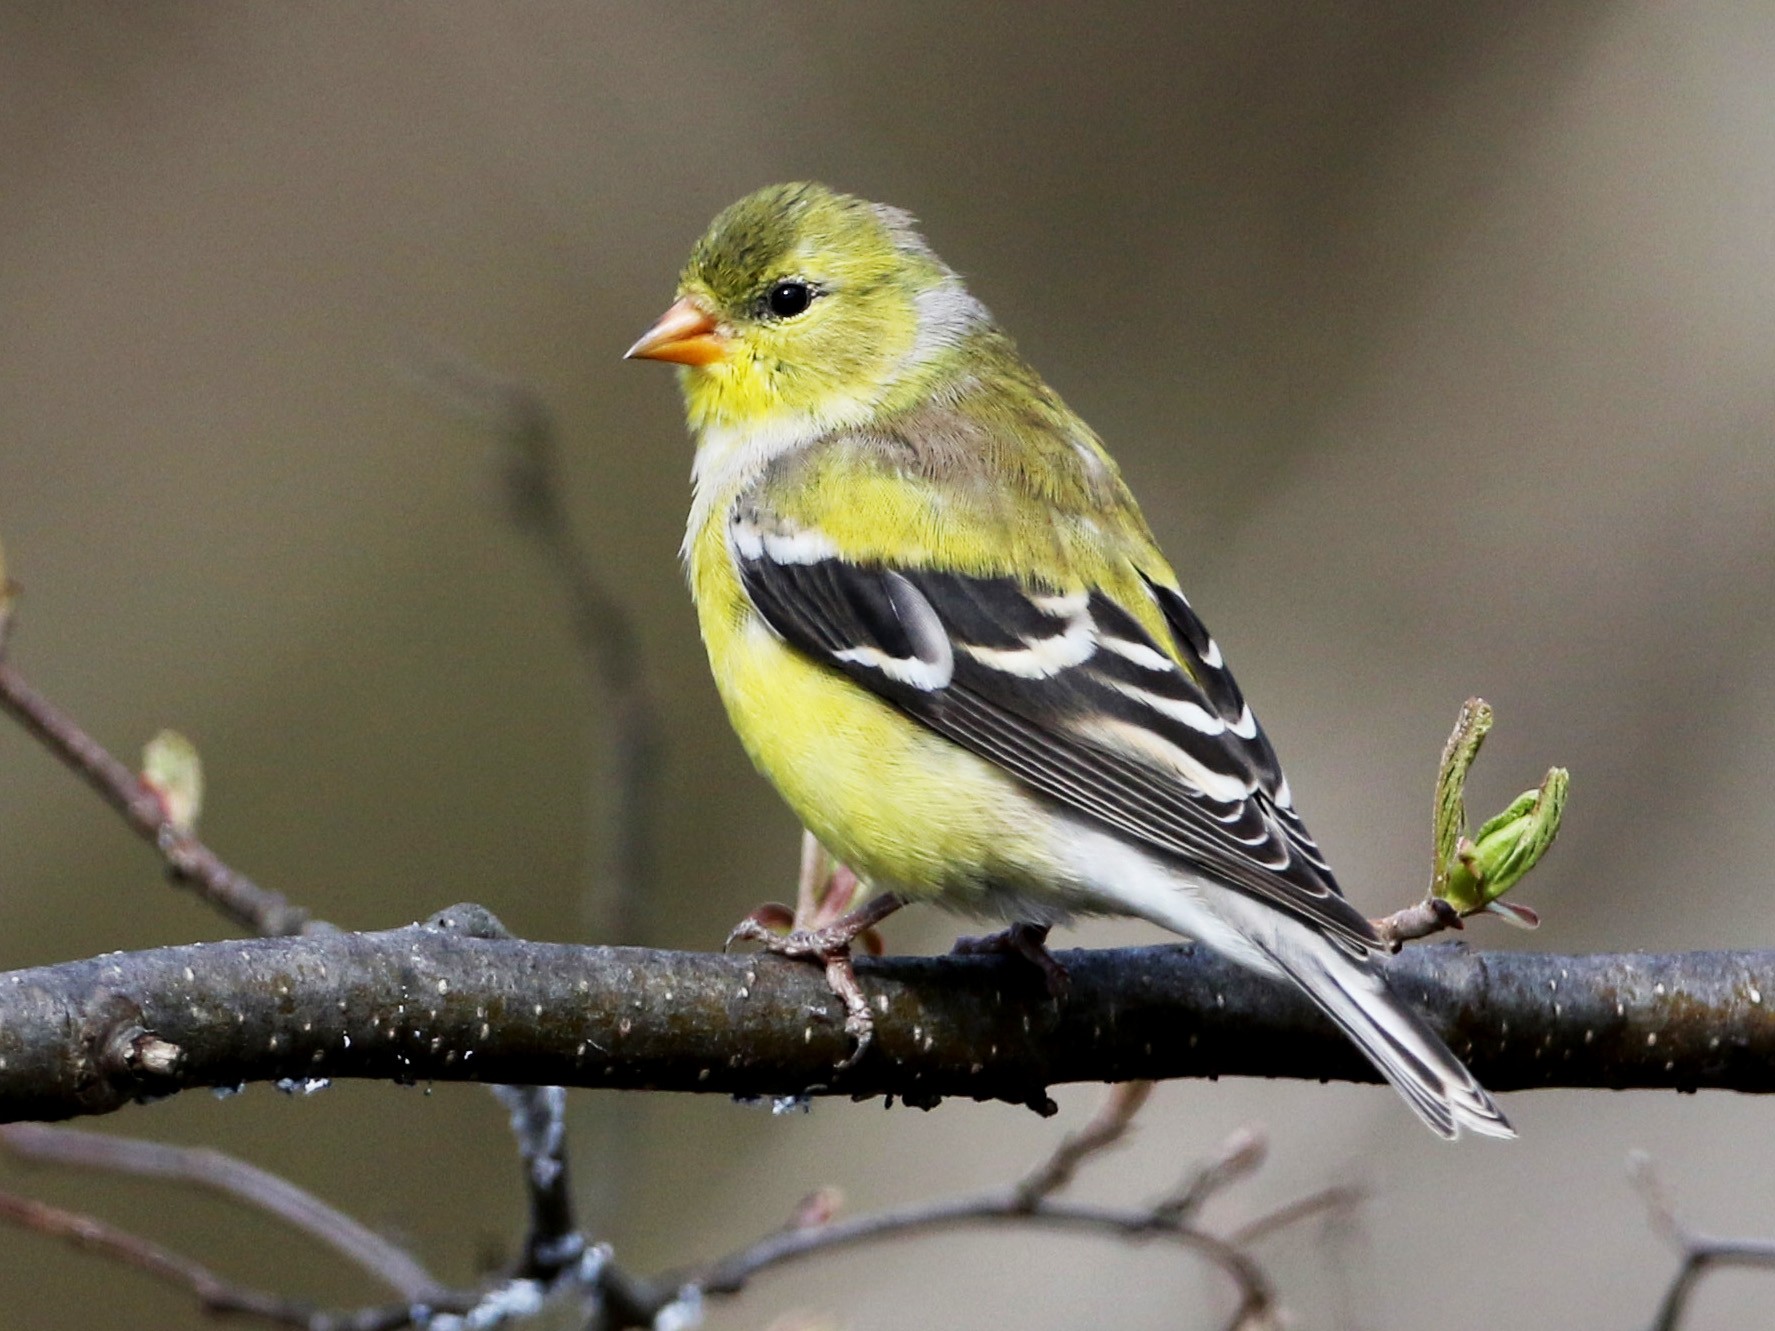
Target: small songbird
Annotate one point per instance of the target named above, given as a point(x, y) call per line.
point(942, 629)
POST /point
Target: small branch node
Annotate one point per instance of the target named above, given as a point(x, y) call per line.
point(1240, 1155)
point(151, 1056)
point(1106, 1127)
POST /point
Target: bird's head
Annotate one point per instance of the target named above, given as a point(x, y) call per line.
point(808, 308)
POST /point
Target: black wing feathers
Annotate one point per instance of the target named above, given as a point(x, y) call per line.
point(1070, 694)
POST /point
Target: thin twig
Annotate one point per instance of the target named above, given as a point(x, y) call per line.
point(214, 1293)
point(602, 627)
point(1426, 918)
point(189, 861)
point(234, 1178)
point(1700, 1253)
point(1241, 1154)
point(1336, 1198)
point(539, 1122)
point(730, 1274)
point(1031, 1201)
point(1106, 1127)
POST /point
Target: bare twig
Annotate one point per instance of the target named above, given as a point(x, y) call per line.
point(1430, 916)
point(189, 861)
point(1326, 1200)
point(732, 1273)
point(234, 1178)
point(1106, 1127)
point(1700, 1253)
point(592, 1281)
point(424, 1301)
point(214, 1293)
point(1241, 1154)
point(539, 1122)
point(422, 1297)
point(602, 627)
point(1032, 1202)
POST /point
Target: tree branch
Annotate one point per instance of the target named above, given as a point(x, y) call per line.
point(213, 1293)
point(437, 1002)
point(1032, 1201)
point(603, 630)
point(539, 1122)
point(1700, 1253)
point(188, 860)
point(245, 1183)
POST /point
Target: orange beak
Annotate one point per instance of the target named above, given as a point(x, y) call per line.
point(686, 334)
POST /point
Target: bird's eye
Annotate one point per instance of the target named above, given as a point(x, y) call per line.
point(788, 298)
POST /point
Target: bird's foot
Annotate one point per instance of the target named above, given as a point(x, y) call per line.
point(770, 926)
point(1029, 941)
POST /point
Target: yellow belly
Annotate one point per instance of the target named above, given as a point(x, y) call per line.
point(905, 808)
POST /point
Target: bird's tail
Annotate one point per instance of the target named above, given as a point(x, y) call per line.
point(1353, 992)
point(1347, 983)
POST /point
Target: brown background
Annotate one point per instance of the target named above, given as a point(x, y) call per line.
point(1436, 338)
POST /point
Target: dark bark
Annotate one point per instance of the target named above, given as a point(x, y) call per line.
point(429, 1003)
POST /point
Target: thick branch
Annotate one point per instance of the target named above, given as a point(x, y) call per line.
point(439, 1003)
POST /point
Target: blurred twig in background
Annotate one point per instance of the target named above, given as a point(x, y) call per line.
point(585, 1278)
point(213, 1293)
point(530, 472)
point(1700, 1253)
point(1032, 1201)
point(189, 861)
point(246, 1183)
point(619, 879)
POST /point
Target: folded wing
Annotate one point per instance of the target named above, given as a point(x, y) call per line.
point(1065, 689)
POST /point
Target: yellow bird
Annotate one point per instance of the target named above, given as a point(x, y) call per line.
point(942, 629)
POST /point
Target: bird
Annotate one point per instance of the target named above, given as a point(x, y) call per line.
point(942, 628)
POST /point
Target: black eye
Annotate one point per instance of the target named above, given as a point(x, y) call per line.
point(788, 298)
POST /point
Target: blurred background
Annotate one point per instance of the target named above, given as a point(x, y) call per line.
point(1436, 339)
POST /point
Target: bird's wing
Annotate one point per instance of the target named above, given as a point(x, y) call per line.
point(1066, 690)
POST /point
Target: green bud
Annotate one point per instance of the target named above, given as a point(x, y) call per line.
point(1471, 873)
point(1471, 728)
point(174, 772)
point(1506, 848)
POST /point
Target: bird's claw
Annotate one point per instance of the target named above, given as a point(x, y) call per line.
point(771, 927)
point(859, 1021)
point(832, 952)
point(1025, 940)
